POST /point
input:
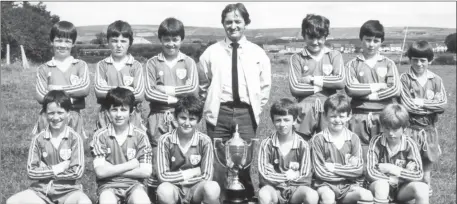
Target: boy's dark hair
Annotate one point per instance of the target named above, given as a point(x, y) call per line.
point(315, 26)
point(171, 27)
point(394, 116)
point(284, 107)
point(421, 49)
point(233, 7)
point(63, 29)
point(372, 28)
point(190, 104)
point(59, 97)
point(119, 97)
point(118, 28)
point(338, 102)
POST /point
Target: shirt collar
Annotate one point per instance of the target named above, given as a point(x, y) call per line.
point(378, 56)
point(429, 74)
point(112, 132)
point(48, 135)
point(275, 140)
point(403, 143)
point(175, 139)
point(242, 42)
point(328, 136)
point(180, 56)
point(306, 53)
point(52, 62)
point(129, 60)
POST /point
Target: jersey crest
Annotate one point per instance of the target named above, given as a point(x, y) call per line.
point(195, 159)
point(65, 154)
point(430, 94)
point(294, 166)
point(74, 79)
point(305, 68)
point(400, 163)
point(128, 80)
point(181, 73)
point(327, 69)
point(131, 153)
point(381, 71)
point(45, 154)
point(361, 73)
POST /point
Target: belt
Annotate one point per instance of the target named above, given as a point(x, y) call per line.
point(232, 104)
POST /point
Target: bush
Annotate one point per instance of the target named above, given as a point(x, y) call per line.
point(445, 60)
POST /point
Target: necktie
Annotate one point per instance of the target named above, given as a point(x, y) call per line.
point(236, 94)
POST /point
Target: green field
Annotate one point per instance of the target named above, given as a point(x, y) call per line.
point(20, 111)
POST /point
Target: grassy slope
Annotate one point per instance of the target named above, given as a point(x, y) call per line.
point(20, 110)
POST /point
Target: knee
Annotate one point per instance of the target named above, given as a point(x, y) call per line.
point(326, 195)
point(380, 188)
point(211, 190)
point(107, 196)
point(310, 195)
point(12, 200)
point(84, 200)
point(420, 190)
point(139, 195)
point(166, 193)
point(365, 195)
point(265, 195)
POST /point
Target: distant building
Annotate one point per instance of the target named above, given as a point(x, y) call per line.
point(395, 48)
point(140, 40)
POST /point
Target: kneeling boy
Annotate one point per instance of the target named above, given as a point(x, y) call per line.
point(284, 160)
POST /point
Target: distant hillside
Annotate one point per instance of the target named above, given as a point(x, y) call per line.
point(149, 32)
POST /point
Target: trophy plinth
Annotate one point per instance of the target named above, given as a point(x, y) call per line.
point(238, 156)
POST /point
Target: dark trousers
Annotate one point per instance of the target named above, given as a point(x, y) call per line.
point(229, 116)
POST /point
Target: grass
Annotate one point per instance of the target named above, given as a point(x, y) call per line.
point(20, 111)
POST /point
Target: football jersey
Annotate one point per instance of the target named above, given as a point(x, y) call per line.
point(407, 157)
point(273, 164)
point(325, 151)
point(43, 155)
point(108, 77)
point(330, 67)
point(433, 94)
point(182, 76)
point(136, 145)
point(74, 81)
point(171, 160)
point(359, 77)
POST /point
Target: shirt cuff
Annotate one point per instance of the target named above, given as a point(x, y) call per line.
point(319, 81)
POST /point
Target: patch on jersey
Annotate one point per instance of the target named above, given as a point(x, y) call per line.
point(161, 73)
point(381, 71)
point(173, 159)
point(361, 73)
point(400, 162)
point(45, 154)
point(294, 166)
point(439, 96)
point(327, 69)
point(305, 68)
point(195, 159)
point(74, 79)
point(411, 166)
point(65, 154)
point(131, 153)
point(128, 80)
point(181, 73)
point(49, 74)
point(276, 161)
point(430, 94)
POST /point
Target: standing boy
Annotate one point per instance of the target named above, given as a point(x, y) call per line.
point(424, 96)
point(122, 153)
point(185, 159)
point(394, 163)
point(284, 160)
point(337, 157)
point(119, 70)
point(56, 157)
point(64, 73)
point(315, 73)
point(372, 81)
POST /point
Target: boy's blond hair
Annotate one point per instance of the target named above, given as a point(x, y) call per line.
point(394, 116)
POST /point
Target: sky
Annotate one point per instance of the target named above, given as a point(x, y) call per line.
point(262, 14)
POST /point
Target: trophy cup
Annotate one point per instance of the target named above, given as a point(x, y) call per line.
point(235, 155)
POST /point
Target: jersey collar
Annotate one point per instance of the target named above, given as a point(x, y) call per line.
point(180, 57)
point(112, 132)
point(429, 74)
point(403, 143)
point(328, 136)
point(175, 139)
point(52, 62)
point(48, 135)
point(306, 53)
point(110, 60)
point(378, 56)
point(275, 140)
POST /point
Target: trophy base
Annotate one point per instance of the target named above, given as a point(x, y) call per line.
point(235, 197)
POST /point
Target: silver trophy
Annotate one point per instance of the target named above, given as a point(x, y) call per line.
point(234, 155)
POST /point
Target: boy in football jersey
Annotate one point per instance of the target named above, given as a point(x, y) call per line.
point(64, 73)
point(284, 160)
point(120, 69)
point(337, 157)
point(394, 163)
point(424, 96)
point(185, 159)
point(56, 157)
point(122, 153)
point(315, 74)
point(372, 81)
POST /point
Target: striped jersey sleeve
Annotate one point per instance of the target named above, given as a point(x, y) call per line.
point(413, 170)
point(439, 101)
point(348, 170)
point(191, 85)
point(266, 168)
point(321, 172)
point(76, 169)
point(207, 160)
point(35, 168)
point(353, 87)
point(297, 87)
point(406, 98)
point(80, 89)
point(144, 150)
point(394, 85)
point(151, 93)
point(305, 173)
point(336, 80)
point(41, 85)
point(138, 81)
point(164, 173)
point(373, 172)
point(101, 82)
point(98, 145)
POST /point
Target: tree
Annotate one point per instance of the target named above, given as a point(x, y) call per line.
point(100, 39)
point(450, 42)
point(28, 25)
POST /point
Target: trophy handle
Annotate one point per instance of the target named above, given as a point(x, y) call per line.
point(249, 148)
point(217, 142)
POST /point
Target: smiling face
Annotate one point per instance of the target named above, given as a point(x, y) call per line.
point(62, 47)
point(119, 46)
point(171, 45)
point(119, 115)
point(370, 45)
point(337, 120)
point(186, 123)
point(57, 116)
point(419, 65)
point(284, 124)
point(314, 44)
point(234, 25)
